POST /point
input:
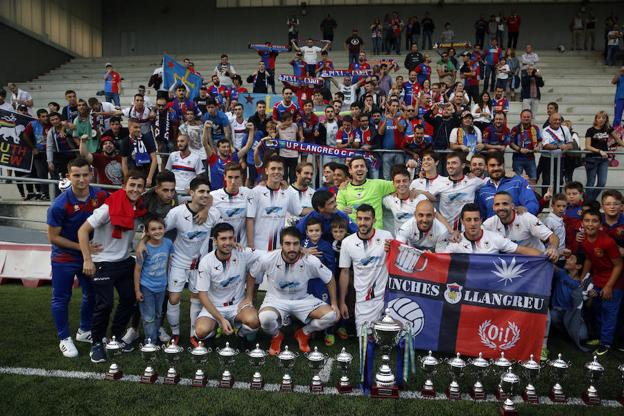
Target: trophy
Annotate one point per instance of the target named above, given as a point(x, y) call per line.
point(594, 372)
point(287, 362)
point(172, 356)
point(480, 365)
point(257, 358)
point(386, 332)
point(344, 360)
point(113, 349)
point(559, 369)
point(508, 383)
point(531, 370)
point(621, 370)
point(317, 360)
point(457, 366)
point(429, 366)
point(500, 366)
point(149, 353)
point(227, 356)
point(199, 356)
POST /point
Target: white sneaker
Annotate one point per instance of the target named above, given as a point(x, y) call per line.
point(130, 336)
point(68, 348)
point(84, 336)
point(163, 336)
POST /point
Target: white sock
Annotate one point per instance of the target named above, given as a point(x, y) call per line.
point(173, 317)
point(320, 324)
point(268, 321)
point(246, 330)
point(196, 308)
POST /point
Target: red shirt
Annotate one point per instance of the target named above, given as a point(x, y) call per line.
point(108, 169)
point(600, 253)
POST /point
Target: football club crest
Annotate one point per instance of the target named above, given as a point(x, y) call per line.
point(453, 293)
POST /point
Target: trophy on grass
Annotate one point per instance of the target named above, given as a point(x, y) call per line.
point(500, 366)
point(172, 357)
point(149, 353)
point(386, 332)
point(286, 360)
point(344, 360)
point(559, 368)
point(227, 357)
point(199, 356)
point(531, 370)
point(456, 366)
point(317, 360)
point(113, 352)
point(257, 358)
point(594, 372)
point(508, 383)
point(480, 366)
point(429, 365)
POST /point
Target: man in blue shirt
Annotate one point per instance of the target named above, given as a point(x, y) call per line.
point(324, 205)
point(618, 81)
point(65, 216)
point(219, 123)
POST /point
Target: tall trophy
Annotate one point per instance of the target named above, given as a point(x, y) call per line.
point(594, 372)
point(621, 370)
point(531, 370)
point(257, 358)
point(172, 357)
point(227, 356)
point(386, 332)
point(559, 369)
point(480, 366)
point(199, 356)
point(149, 353)
point(286, 360)
point(500, 366)
point(456, 366)
point(508, 383)
point(344, 360)
point(429, 365)
point(317, 360)
point(113, 352)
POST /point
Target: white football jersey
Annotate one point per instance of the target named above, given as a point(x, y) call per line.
point(233, 210)
point(185, 169)
point(489, 243)
point(433, 185)
point(397, 211)
point(268, 208)
point(239, 131)
point(288, 281)
point(436, 239)
point(368, 258)
point(526, 230)
point(191, 238)
point(304, 196)
point(453, 195)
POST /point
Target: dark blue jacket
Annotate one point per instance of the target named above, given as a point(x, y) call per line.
point(519, 189)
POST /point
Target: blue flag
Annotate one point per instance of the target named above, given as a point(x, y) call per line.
point(175, 73)
point(249, 102)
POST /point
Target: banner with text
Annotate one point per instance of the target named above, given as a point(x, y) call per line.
point(14, 153)
point(319, 149)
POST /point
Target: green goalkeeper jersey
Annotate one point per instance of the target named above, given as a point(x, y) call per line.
point(371, 192)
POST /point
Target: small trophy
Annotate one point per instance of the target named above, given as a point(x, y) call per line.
point(257, 358)
point(500, 366)
point(149, 353)
point(344, 360)
point(386, 332)
point(531, 370)
point(456, 366)
point(113, 351)
point(594, 372)
point(480, 366)
point(199, 356)
point(621, 370)
point(559, 369)
point(287, 362)
point(508, 383)
point(227, 356)
point(172, 357)
point(317, 360)
point(429, 365)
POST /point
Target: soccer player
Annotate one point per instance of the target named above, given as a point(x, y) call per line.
point(287, 273)
point(399, 205)
point(301, 189)
point(429, 182)
point(65, 216)
point(231, 201)
point(423, 230)
point(185, 165)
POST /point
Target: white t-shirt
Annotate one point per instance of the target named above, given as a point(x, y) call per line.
point(239, 131)
point(489, 243)
point(551, 136)
point(8, 107)
point(331, 130)
point(368, 258)
point(309, 54)
point(113, 249)
point(142, 116)
point(433, 185)
point(556, 225)
point(526, 230)
point(21, 96)
point(233, 210)
point(185, 169)
point(288, 281)
point(399, 211)
point(453, 195)
point(304, 196)
point(191, 237)
point(221, 69)
point(194, 133)
point(436, 239)
point(502, 72)
point(349, 94)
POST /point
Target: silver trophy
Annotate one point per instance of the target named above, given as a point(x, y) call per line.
point(172, 357)
point(227, 357)
point(257, 358)
point(500, 367)
point(113, 352)
point(317, 360)
point(508, 383)
point(344, 360)
point(199, 356)
point(594, 372)
point(456, 367)
point(531, 370)
point(149, 353)
point(559, 369)
point(621, 370)
point(386, 333)
point(429, 365)
point(286, 360)
point(480, 366)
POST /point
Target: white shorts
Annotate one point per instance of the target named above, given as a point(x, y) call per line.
point(228, 312)
point(299, 308)
point(368, 312)
point(179, 277)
